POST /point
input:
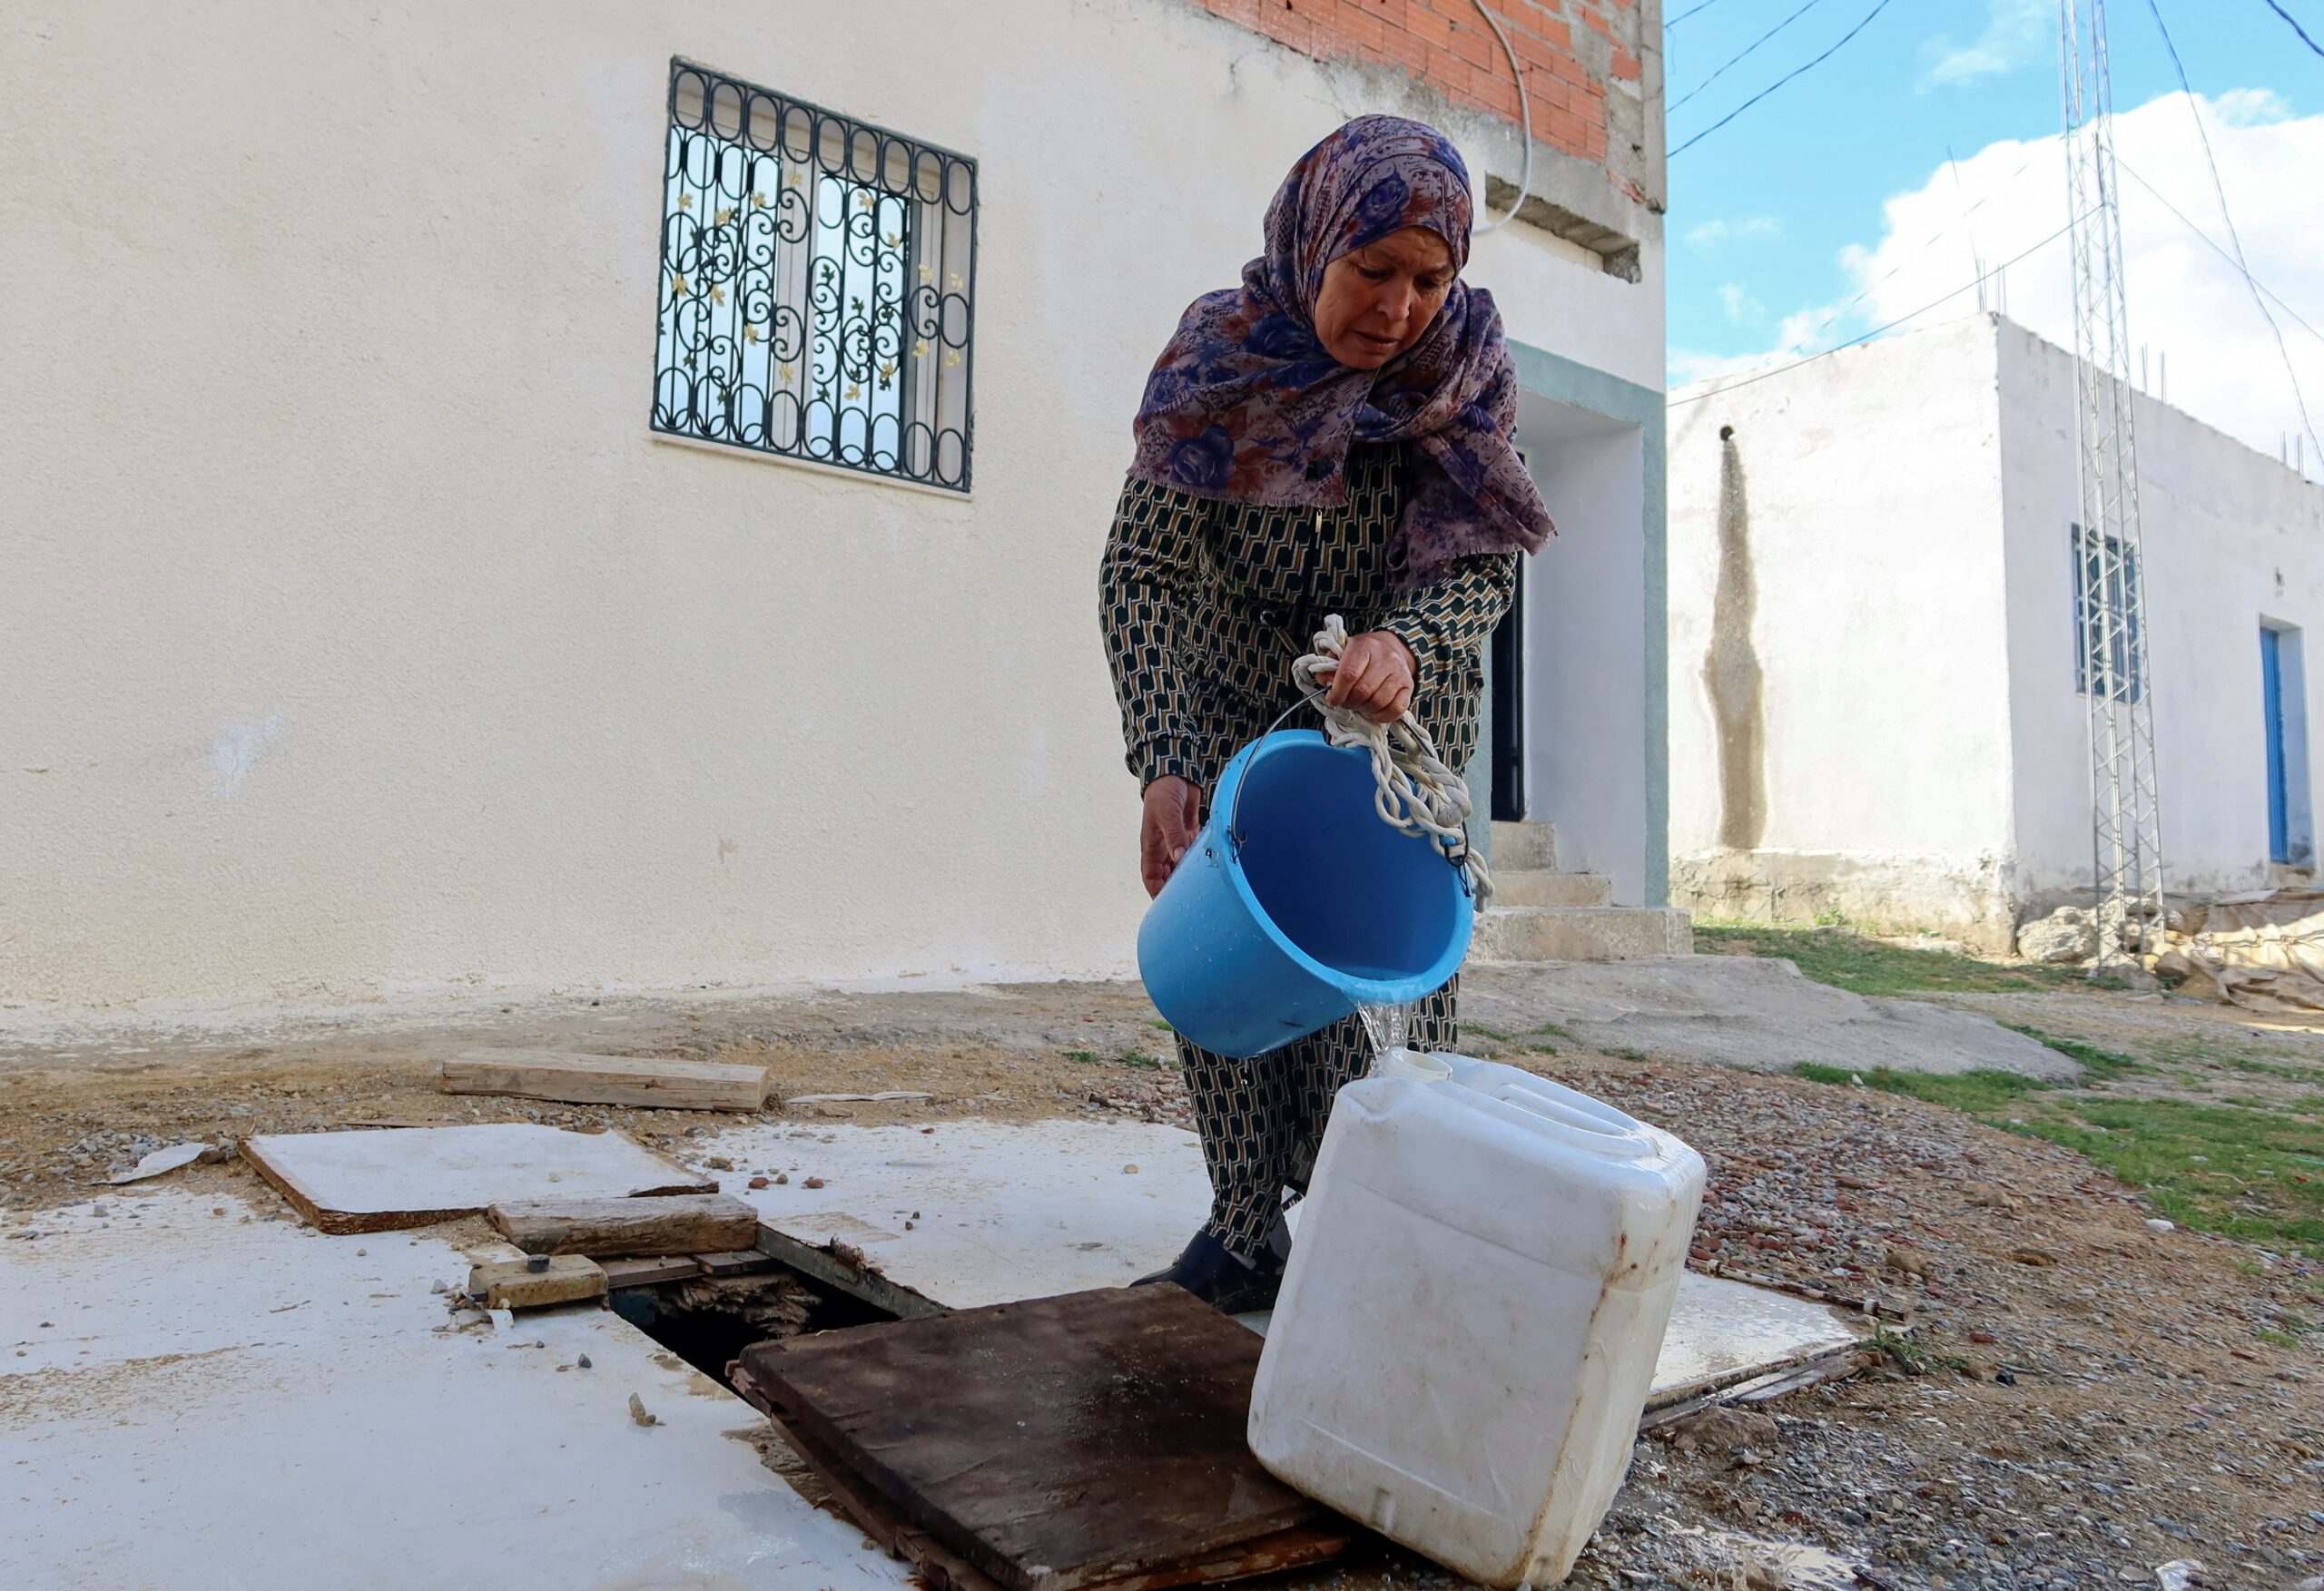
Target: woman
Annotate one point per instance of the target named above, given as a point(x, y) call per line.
point(1333, 437)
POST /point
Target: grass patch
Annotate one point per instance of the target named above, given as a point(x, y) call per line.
point(1158, 1024)
point(1137, 1060)
point(2097, 1065)
point(1867, 966)
point(2246, 1173)
point(2280, 1338)
point(2287, 1072)
point(2201, 1052)
point(1481, 1031)
point(1552, 1030)
point(1909, 1354)
point(1981, 1093)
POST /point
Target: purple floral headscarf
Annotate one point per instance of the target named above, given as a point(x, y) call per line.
point(1245, 404)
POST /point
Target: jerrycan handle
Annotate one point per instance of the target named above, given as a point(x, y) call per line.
point(1604, 1130)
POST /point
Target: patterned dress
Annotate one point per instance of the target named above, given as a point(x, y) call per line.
point(1205, 605)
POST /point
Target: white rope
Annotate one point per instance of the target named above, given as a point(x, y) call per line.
point(1417, 794)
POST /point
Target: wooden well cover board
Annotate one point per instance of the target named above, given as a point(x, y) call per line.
point(1056, 1443)
point(382, 1179)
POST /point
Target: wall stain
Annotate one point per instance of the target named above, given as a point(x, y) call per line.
point(234, 754)
point(1731, 672)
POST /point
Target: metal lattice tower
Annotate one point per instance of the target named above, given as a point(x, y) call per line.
point(2126, 821)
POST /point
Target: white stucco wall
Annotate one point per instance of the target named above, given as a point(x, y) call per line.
point(2230, 538)
point(1874, 535)
point(1586, 741)
point(356, 634)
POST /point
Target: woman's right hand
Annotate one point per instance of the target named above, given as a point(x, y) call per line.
point(1173, 816)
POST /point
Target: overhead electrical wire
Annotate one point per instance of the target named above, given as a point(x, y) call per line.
point(2234, 237)
point(2279, 11)
point(1931, 241)
point(1739, 55)
point(1682, 16)
point(1785, 78)
point(1758, 376)
point(2216, 246)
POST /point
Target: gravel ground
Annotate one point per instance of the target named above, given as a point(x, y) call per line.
point(2081, 1399)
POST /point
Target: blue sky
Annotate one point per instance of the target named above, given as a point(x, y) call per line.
point(1839, 184)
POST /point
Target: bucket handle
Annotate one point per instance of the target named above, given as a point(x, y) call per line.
point(1235, 810)
point(1242, 781)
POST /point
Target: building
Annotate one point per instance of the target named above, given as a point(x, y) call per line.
point(419, 580)
point(1876, 648)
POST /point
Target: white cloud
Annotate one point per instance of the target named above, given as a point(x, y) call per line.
point(1710, 234)
point(2186, 302)
point(1740, 304)
point(1691, 365)
point(2017, 33)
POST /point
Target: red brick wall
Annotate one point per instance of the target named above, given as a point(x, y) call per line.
point(1572, 51)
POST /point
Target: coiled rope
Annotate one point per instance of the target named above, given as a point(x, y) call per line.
point(1417, 794)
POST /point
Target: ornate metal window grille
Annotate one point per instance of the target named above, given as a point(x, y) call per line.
point(817, 281)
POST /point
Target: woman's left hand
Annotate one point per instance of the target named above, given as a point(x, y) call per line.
point(1375, 676)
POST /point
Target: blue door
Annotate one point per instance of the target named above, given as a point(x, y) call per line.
point(2271, 704)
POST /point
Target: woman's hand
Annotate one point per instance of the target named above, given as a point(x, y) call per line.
point(1173, 816)
point(1375, 676)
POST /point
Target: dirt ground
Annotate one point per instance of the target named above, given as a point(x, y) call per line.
point(2081, 1398)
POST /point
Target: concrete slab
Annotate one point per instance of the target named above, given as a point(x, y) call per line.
point(1004, 1212)
point(389, 1178)
point(192, 1401)
point(1513, 933)
point(1010, 1212)
point(1757, 1014)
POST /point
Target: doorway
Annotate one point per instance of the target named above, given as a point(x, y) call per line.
point(1505, 689)
point(2283, 706)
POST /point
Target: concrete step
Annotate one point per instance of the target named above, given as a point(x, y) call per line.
point(1533, 887)
point(1581, 933)
point(1519, 846)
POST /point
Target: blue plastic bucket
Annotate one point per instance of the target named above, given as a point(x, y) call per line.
point(1296, 903)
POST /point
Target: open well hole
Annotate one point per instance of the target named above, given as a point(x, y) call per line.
point(708, 1320)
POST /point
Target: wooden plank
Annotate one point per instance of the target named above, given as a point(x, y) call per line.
point(851, 1275)
point(575, 1079)
point(385, 1179)
point(939, 1568)
point(701, 1223)
point(513, 1284)
point(645, 1272)
point(741, 1262)
point(942, 1570)
point(1062, 1444)
point(1832, 1367)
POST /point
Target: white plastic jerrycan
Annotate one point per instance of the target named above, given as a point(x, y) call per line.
point(1484, 1266)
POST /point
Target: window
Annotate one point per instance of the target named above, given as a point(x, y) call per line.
point(2107, 645)
point(816, 283)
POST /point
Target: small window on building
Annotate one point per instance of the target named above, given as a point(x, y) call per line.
point(2108, 656)
point(816, 283)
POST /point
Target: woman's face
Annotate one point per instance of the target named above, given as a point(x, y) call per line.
point(1378, 299)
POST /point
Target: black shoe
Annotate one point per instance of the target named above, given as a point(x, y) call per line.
point(1213, 1273)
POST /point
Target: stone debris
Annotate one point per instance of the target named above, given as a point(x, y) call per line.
point(2064, 937)
point(639, 1414)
